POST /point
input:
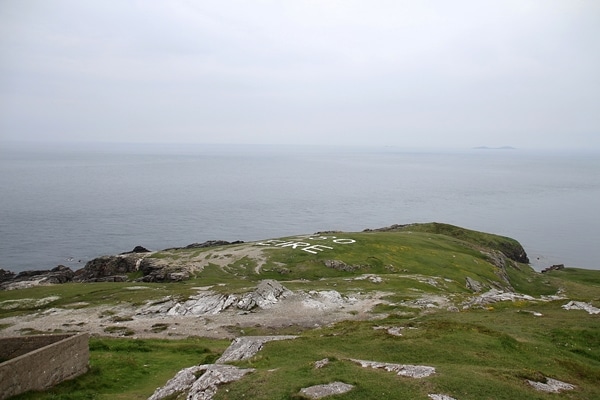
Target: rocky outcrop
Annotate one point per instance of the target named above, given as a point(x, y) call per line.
point(200, 382)
point(579, 305)
point(411, 371)
point(156, 270)
point(494, 296)
point(208, 243)
point(474, 285)
point(341, 266)
point(25, 279)
point(208, 302)
point(6, 276)
point(329, 389)
point(551, 385)
point(244, 347)
point(267, 293)
point(137, 250)
point(556, 267)
point(107, 268)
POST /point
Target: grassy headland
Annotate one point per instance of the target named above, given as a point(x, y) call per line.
point(416, 273)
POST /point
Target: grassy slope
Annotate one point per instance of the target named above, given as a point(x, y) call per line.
point(478, 353)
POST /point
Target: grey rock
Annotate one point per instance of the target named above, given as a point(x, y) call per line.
point(320, 391)
point(103, 267)
point(474, 285)
point(411, 371)
point(494, 296)
point(341, 266)
point(579, 305)
point(267, 293)
point(205, 387)
point(157, 270)
point(200, 382)
point(551, 385)
point(556, 267)
point(245, 347)
point(25, 279)
point(321, 363)
point(180, 383)
point(440, 397)
point(204, 303)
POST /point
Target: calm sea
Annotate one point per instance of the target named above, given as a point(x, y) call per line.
point(66, 205)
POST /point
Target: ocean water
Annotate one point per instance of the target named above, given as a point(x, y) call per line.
point(67, 205)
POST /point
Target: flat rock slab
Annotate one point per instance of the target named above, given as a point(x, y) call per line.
point(411, 371)
point(551, 385)
point(320, 391)
point(440, 397)
point(579, 305)
point(245, 347)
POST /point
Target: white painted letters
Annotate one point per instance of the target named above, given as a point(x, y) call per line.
point(316, 247)
point(306, 246)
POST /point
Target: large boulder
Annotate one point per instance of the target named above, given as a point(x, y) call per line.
point(156, 270)
point(101, 268)
point(25, 279)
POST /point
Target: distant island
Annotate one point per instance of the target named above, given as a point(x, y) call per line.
point(495, 148)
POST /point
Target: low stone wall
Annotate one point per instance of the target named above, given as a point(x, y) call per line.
point(40, 362)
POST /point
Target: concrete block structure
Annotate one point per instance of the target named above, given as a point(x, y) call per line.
point(41, 361)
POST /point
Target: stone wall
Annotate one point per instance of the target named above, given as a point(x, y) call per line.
point(40, 362)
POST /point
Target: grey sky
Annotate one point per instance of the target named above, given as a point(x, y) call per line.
point(406, 73)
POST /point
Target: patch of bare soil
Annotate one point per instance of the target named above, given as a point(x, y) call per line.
point(305, 310)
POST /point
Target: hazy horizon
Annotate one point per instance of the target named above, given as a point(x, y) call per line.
point(442, 74)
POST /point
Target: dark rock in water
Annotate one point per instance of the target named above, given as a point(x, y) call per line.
point(556, 267)
point(6, 276)
point(60, 274)
point(137, 249)
point(106, 266)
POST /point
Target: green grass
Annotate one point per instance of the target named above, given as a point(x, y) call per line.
point(480, 353)
point(132, 369)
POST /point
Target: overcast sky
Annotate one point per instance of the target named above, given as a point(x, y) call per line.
point(412, 73)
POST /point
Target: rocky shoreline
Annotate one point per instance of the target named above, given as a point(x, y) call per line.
point(113, 268)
